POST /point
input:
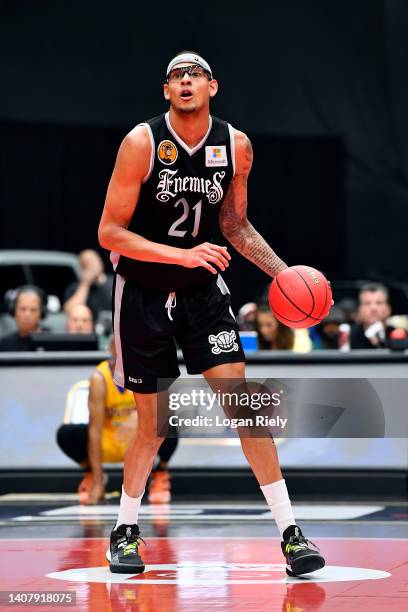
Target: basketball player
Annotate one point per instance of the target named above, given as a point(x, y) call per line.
point(176, 176)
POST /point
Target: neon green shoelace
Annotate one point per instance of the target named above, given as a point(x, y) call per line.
point(131, 548)
point(295, 547)
point(300, 544)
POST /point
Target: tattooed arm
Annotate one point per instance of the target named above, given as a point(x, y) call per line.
point(233, 216)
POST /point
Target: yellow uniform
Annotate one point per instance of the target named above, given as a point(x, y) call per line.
point(119, 405)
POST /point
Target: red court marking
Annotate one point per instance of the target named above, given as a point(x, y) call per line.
point(26, 563)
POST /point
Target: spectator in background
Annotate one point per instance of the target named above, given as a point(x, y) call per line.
point(247, 317)
point(370, 330)
point(349, 306)
point(327, 332)
point(273, 335)
point(27, 304)
point(95, 287)
point(112, 424)
point(80, 320)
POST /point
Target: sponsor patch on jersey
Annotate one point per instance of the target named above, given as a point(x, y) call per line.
point(216, 156)
point(167, 152)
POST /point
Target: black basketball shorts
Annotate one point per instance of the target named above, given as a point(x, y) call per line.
point(147, 324)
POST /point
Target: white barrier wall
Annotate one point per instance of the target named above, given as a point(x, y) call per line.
point(32, 403)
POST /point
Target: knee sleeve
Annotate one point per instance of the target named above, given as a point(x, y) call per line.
point(73, 441)
point(169, 445)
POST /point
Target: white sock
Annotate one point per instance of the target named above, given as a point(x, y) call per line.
point(128, 509)
point(277, 498)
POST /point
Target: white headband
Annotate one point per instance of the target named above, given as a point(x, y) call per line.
point(193, 58)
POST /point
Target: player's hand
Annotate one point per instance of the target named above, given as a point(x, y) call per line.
point(89, 275)
point(84, 484)
point(332, 304)
point(96, 493)
point(207, 255)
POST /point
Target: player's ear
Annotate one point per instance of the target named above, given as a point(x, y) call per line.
point(213, 85)
point(166, 91)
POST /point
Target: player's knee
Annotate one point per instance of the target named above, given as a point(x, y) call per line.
point(145, 444)
point(238, 370)
point(62, 436)
point(148, 435)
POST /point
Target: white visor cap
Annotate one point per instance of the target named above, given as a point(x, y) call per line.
point(192, 58)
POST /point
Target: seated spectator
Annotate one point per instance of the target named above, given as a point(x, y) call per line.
point(27, 304)
point(95, 287)
point(104, 439)
point(247, 316)
point(80, 320)
point(273, 335)
point(327, 332)
point(370, 330)
point(349, 306)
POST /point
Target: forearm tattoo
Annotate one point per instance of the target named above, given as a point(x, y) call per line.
point(239, 231)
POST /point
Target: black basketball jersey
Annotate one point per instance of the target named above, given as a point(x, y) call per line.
point(179, 201)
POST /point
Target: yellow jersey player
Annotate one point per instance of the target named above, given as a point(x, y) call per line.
point(104, 439)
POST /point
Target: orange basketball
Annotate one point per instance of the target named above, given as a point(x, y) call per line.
point(300, 296)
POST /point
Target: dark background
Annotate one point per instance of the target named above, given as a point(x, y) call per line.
point(320, 87)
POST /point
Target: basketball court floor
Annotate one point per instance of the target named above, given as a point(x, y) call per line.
point(206, 556)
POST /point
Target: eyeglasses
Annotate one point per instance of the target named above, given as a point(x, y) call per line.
point(194, 71)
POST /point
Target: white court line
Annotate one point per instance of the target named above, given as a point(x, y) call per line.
point(208, 517)
point(206, 512)
point(55, 497)
point(188, 504)
point(73, 520)
point(82, 511)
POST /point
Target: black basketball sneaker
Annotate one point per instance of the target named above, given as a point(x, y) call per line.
point(300, 557)
point(123, 554)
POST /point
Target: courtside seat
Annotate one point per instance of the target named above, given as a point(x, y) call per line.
point(76, 408)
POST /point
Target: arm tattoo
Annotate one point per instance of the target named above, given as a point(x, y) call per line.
point(239, 231)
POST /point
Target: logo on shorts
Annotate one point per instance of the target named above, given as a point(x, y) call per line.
point(135, 380)
point(224, 342)
point(167, 152)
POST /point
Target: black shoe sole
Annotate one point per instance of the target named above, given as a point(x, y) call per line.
point(305, 565)
point(120, 568)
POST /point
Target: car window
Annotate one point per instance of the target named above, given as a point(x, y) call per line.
point(53, 279)
point(11, 276)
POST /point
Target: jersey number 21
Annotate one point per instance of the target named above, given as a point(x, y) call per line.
point(180, 233)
